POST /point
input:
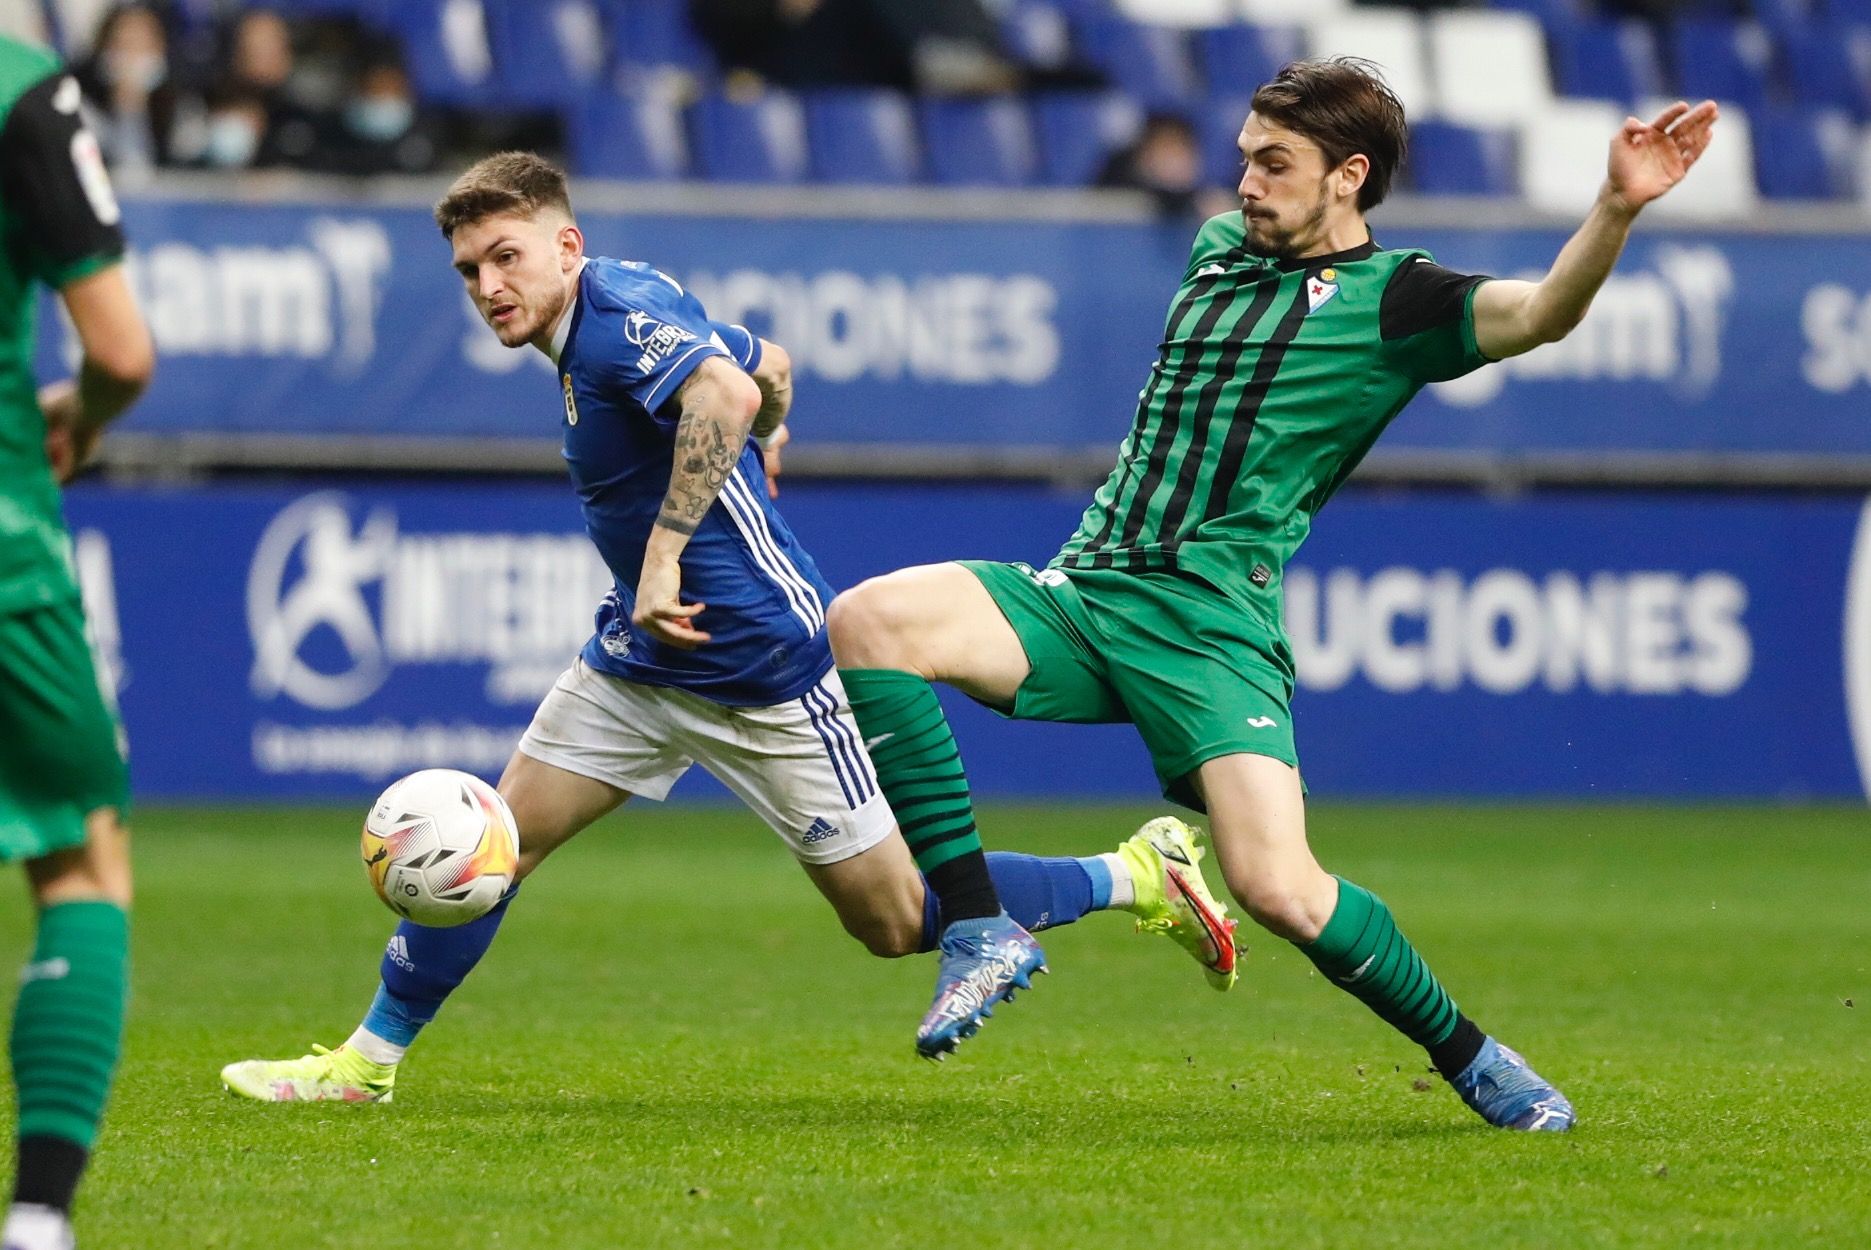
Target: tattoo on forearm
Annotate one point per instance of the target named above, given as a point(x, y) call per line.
point(705, 454)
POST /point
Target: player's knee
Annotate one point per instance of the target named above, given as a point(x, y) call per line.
point(872, 626)
point(97, 870)
point(1284, 908)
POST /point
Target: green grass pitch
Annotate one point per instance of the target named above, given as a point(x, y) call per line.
point(673, 1045)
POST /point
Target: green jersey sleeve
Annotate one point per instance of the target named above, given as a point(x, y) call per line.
point(52, 176)
point(1427, 320)
point(1218, 237)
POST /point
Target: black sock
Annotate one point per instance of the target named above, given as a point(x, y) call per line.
point(49, 1168)
point(1458, 1049)
point(965, 887)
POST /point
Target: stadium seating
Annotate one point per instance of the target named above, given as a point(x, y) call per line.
point(1490, 67)
point(986, 143)
point(757, 139)
point(1078, 130)
point(1446, 159)
point(1515, 98)
point(1722, 184)
point(634, 135)
point(1604, 60)
point(863, 137)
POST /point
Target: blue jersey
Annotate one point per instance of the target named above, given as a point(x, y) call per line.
point(633, 337)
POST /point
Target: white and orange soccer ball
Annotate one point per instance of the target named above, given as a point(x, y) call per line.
point(441, 847)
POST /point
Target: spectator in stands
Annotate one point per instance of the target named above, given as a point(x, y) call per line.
point(128, 84)
point(1165, 161)
point(939, 46)
point(236, 129)
point(259, 68)
point(382, 130)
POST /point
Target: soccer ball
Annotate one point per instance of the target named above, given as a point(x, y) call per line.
point(441, 847)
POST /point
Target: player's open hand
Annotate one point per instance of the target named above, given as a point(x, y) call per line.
point(1648, 158)
point(770, 455)
point(660, 611)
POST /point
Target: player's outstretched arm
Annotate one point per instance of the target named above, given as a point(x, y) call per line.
point(718, 403)
point(119, 359)
point(1647, 159)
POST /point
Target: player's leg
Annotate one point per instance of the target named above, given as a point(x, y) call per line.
point(1258, 813)
point(62, 787)
point(892, 636)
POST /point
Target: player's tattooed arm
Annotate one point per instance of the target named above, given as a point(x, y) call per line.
point(774, 376)
point(718, 403)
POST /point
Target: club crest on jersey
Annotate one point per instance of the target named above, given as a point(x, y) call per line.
point(571, 405)
point(1319, 288)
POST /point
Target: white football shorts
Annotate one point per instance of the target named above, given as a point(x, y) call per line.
point(800, 766)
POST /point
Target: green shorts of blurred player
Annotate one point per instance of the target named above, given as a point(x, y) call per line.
point(63, 795)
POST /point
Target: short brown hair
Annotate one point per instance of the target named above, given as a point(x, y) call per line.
point(1343, 104)
point(515, 184)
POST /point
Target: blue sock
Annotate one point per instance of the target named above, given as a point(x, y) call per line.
point(1038, 892)
point(422, 966)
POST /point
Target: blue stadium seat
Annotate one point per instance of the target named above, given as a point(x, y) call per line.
point(634, 135)
point(1786, 17)
point(979, 143)
point(1829, 66)
point(446, 50)
point(761, 139)
point(1237, 59)
point(1801, 154)
point(657, 33)
point(1446, 159)
point(1722, 59)
point(1151, 64)
point(1554, 15)
point(1605, 60)
point(1078, 131)
point(862, 136)
point(1217, 126)
point(1856, 12)
point(548, 53)
point(1036, 33)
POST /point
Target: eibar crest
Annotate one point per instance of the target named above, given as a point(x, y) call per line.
point(1319, 288)
point(571, 405)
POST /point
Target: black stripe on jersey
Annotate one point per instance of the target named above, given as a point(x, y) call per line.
point(1171, 423)
point(1083, 557)
point(1226, 366)
point(1234, 451)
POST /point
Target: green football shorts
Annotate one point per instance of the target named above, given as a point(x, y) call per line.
point(62, 757)
point(1197, 675)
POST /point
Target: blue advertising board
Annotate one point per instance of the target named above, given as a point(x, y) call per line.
point(347, 319)
point(274, 642)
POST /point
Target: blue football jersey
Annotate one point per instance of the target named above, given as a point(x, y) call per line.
point(634, 336)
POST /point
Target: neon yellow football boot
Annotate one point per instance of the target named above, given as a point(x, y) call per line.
point(340, 1075)
point(1165, 862)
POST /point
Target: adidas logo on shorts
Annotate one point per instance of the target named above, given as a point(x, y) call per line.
point(819, 830)
point(398, 951)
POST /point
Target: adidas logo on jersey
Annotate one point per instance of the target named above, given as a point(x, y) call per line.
point(398, 952)
point(819, 830)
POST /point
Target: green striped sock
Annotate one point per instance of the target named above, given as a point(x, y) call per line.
point(920, 769)
point(1364, 953)
point(68, 1023)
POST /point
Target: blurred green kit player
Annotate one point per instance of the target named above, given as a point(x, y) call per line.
point(1292, 342)
point(63, 787)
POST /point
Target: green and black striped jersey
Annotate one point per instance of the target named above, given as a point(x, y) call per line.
point(1273, 380)
point(58, 224)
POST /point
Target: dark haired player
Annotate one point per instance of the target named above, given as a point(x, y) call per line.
point(1292, 342)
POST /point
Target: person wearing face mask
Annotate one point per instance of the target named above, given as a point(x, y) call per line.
point(236, 125)
point(381, 130)
point(128, 87)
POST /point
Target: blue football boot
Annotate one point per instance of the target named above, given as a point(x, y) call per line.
point(983, 962)
point(1506, 1093)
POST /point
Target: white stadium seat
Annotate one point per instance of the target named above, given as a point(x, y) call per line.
point(1490, 67)
point(1563, 152)
point(1392, 38)
point(1287, 12)
point(1192, 14)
